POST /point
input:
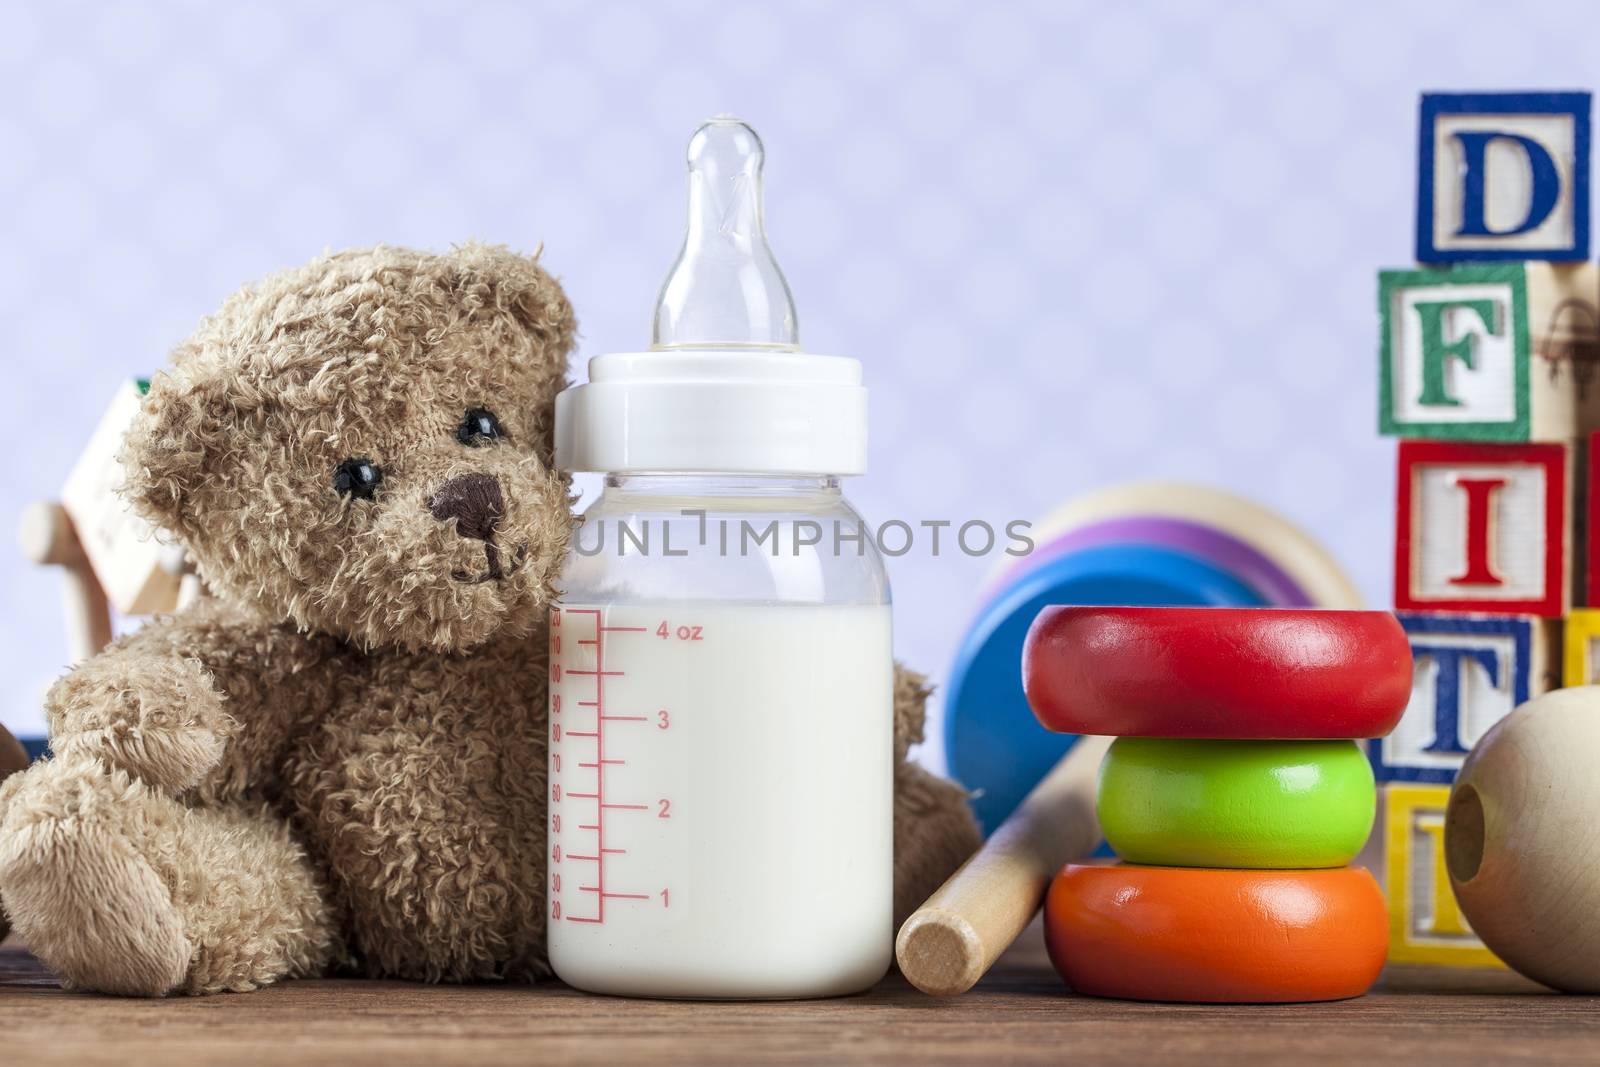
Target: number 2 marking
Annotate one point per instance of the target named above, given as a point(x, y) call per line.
point(666, 809)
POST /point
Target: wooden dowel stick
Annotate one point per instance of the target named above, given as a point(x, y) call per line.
point(955, 937)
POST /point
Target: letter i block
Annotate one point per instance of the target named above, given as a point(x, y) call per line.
point(1425, 923)
point(1493, 352)
point(1470, 672)
point(1503, 176)
point(1483, 528)
point(1582, 648)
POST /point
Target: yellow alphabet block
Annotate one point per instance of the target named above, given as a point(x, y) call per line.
point(1425, 923)
point(1583, 644)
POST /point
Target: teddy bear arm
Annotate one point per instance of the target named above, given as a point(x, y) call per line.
point(911, 692)
point(205, 694)
point(934, 830)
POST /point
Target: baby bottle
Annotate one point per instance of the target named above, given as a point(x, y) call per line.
point(721, 698)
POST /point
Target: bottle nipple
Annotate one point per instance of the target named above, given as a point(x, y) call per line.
point(725, 290)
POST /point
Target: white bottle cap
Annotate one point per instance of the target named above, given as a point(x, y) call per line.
point(724, 387)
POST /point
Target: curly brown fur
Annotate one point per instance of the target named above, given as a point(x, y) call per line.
point(13, 758)
point(375, 355)
point(340, 761)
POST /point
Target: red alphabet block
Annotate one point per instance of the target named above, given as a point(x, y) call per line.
point(1483, 528)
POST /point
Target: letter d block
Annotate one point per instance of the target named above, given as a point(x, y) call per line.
point(1503, 176)
point(1495, 352)
point(1483, 528)
point(1425, 923)
point(1470, 672)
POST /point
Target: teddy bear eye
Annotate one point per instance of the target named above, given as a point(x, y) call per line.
point(357, 477)
point(479, 426)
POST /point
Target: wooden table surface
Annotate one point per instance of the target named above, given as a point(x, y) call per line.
point(1019, 1014)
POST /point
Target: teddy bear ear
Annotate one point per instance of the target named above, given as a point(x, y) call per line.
point(542, 307)
point(165, 455)
point(523, 287)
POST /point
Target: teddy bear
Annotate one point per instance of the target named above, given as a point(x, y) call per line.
point(336, 762)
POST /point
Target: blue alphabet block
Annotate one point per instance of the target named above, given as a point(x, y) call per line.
point(1503, 176)
point(1471, 671)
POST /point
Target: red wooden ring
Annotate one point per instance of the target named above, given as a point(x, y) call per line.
point(1256, 673)
point(1206, 935)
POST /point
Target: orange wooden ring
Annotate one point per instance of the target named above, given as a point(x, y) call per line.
point(1216, 936)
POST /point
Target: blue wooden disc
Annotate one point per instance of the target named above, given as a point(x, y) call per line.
point(994, 745)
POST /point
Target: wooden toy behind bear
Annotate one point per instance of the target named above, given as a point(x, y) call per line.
point(1487, 364)
point(111, 559)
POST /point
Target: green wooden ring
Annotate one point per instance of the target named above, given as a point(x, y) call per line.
point(1250, 804)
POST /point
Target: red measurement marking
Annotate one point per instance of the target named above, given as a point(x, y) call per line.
point(600, 761)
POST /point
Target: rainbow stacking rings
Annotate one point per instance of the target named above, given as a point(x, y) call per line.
point(1235, 794)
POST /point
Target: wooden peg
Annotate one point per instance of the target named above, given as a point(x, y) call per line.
point(955, 937)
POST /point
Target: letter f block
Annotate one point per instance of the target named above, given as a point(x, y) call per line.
point(1490, 352)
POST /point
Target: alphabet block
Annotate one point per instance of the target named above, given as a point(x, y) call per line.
point(1503, 176)
point(1483, 528)
point(1425, 922)
point(1591, 505)
point(1582, 666)
point(1493, 352)
point(1469, 673)
point(136, 569)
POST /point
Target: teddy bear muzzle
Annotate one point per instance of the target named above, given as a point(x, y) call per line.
point(477, 504)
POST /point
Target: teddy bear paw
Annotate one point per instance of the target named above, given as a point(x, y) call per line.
point(160, 720)
point(77, 887)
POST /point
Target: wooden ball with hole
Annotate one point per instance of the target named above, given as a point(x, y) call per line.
point(1520, 840)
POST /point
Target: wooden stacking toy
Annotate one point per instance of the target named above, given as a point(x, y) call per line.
point(1035, 791)
point(1486, 372)
point(1235, 797)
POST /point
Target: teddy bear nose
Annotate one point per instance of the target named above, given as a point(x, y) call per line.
point(473, 500)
